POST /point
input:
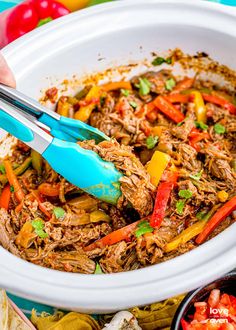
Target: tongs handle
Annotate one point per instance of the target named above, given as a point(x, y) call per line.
point(25, 103)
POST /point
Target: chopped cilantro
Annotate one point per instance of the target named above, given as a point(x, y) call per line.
point(170, 83)
point(12, 189)
point(180, 206)
point(144, 86)
point(200, 124)
point(124, 92)
point(143, 228)
point(196, 176)
point(98, 269)
point(185, 193)
point(219, 129)
point(160, 60)
point(59, 212)
point(133, 104)
point(2, 169)
point(151, 141)
point(38, 226)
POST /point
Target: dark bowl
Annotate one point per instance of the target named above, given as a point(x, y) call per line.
point(226, 284)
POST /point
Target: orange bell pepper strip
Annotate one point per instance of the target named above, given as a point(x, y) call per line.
point(12, 178)
point(48, 189)
point(219, 100)
point(182, 85)
point(114, 237)
point(217, 218)
point(111, 86)
point(177, 98)
point(162, 197)
point(5, 197)
point(168, 109)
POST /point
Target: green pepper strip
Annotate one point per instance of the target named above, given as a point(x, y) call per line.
point(37, 161)
point(18, 171)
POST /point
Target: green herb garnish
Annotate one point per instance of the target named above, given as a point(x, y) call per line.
point(219, 129)
point(201, 125)
point(196, 176)
point(180, 206)
point(12, 189)
point(143, 228)
point(59, 212)
point(38, 226)
point(151, 141)
point(124, 92)
point(170, 83)
point(2, 169)
point(144, 86)
point(98, 269)
point(133, 104)
point(185, 193)
point(160, 60)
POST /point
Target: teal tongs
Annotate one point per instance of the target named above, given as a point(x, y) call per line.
point(27, 120)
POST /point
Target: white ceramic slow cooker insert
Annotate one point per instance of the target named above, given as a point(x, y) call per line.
point(73, 44)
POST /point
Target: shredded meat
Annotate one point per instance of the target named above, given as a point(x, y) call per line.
point(135, 184)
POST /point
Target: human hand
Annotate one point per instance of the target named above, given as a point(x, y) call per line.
point(6, 75)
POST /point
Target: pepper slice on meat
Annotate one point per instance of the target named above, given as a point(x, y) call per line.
point(217, 218)
point(162, 197)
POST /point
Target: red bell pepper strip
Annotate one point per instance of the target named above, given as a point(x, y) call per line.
point(219, 100)
point(42, 207)
point(196, 136)
point(177, 98)
point(168, 109)
point(25, 17)
point(5, 197)
point(182, 85)
point(114, 237)
point(162, 197)
point(217, 218)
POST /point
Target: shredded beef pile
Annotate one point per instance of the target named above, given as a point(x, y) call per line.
point(52, 228)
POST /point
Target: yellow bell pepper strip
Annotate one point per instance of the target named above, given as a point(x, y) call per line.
point(157, 130)
point(157, 166)
point(89, 104)
point(37, 161)
point(5, 197)
point(26, 235)
point(18, 171)
point(99, 215)
point(168, 109)
point(217, 218)
point(63, 106)
point(74, 5)
point(182, 85)
point(200, 108)
point(162, 197)
point(190, 232)
point(221, 101)
point(12, 178)
point(222, 196)
point(111, 86)
point(114, 237)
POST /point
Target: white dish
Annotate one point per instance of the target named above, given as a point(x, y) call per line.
point(73, 44)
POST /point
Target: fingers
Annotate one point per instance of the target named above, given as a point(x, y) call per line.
point(6, 75)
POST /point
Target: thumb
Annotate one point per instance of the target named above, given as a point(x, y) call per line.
point(6, 75)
